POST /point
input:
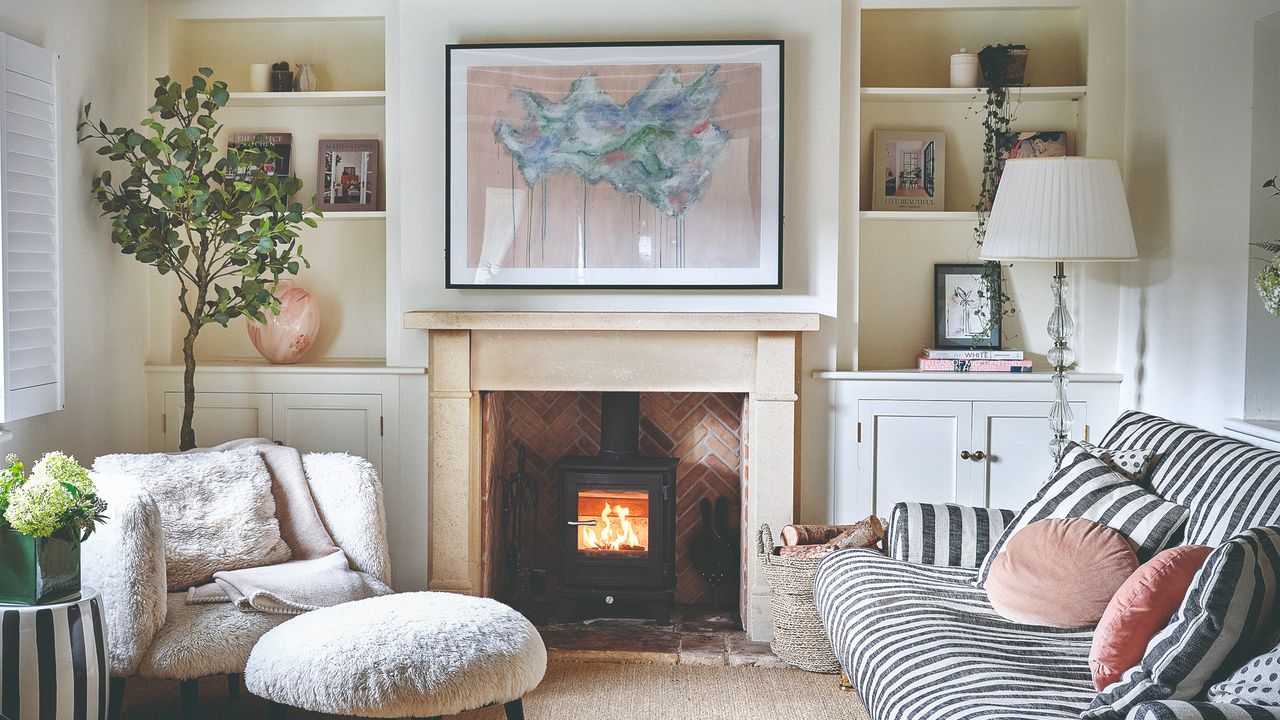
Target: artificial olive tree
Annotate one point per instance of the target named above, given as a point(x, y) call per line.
point(223, 224)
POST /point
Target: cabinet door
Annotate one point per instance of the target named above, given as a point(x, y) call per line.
point(910, 450)
point(331, 422)
point(219, 417)
point(1015, 437)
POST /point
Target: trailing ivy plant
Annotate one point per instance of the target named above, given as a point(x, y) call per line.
point(1268, 280)
point(224, 225)
point(997, 113)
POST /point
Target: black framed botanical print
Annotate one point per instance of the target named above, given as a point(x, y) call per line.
point(963, 306)
point(614, 165)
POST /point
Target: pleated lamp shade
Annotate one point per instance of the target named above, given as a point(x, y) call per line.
point(1060, 209)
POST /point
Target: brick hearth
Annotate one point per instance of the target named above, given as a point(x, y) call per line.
point(703, 430)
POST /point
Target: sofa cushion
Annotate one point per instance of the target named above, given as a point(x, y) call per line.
point(208, 639)
point(1055, 559)
point(216, 509)
point(1229, 485)
point(921, 641)
point(1226, 613)
point(1142, 607)
point(1257, 682)
point(1134, 464)
point(944, 534)
point(1085, 487)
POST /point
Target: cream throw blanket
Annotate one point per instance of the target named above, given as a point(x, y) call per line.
point(319, 574)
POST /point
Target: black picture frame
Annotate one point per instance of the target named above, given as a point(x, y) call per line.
point(452, 282)
point(945, 337)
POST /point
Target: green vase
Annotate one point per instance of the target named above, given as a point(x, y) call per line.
point(36, 571)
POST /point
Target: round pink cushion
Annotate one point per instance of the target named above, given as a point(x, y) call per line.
point(1060, 572)
point(1142, 607)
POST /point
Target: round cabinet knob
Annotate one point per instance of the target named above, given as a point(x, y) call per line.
point(964, 455)
point(979, 456)
point(608, 599)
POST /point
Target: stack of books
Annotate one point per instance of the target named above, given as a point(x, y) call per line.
point(995, 361)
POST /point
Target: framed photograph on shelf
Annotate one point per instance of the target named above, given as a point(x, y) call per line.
point(963, 307)
point(347, 175)
point(614, 165)
point(908, 170)
point(1029, 144)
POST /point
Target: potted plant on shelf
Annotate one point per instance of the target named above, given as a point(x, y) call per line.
point(43, 520)
point(224, 225)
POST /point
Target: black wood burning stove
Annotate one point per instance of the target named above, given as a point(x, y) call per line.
point(617, 509)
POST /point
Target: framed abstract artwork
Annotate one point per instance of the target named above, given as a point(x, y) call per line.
point(614, 165)
point(963, 307)
point(909, 170)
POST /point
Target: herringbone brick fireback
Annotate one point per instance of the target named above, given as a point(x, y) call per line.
point(702, 430)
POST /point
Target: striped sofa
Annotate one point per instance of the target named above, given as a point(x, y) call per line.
point(920, 642)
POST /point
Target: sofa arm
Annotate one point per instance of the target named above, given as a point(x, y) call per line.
point(1184, 710)
point(348, 494)
point(124, 561)
point(946, 535)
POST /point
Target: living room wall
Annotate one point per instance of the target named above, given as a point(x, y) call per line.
point(1187, 149)
point(102, 58)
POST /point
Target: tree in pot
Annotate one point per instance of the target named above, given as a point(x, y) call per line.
point(224, 225)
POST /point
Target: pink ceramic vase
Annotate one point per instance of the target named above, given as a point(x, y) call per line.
point(285, 338)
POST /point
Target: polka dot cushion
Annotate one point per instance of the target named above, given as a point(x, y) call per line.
point(1257, 683)
point(1133, 464)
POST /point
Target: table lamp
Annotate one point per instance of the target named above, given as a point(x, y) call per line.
point(1062, 209)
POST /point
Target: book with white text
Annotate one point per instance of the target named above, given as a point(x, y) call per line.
point(936, 354)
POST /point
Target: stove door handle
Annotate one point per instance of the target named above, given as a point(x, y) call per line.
point(589, 523)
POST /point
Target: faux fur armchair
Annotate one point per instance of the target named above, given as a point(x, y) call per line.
point(156, 634)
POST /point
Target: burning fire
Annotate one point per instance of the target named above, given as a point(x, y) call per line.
point(619, 536)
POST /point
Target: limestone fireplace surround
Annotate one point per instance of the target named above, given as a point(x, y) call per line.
point(475, 352)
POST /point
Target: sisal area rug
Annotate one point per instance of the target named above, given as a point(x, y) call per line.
point(589, 691)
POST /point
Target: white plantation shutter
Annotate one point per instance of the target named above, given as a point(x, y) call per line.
point(31, 367)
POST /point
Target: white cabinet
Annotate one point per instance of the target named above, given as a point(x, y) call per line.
point(311, 422)
point(974, 440)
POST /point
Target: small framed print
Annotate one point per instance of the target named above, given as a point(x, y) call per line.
point(963, 306)
point(908, 170)
point(347, 175)
point(1029, 144)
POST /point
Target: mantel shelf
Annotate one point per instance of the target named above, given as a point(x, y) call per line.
point(330, 98)
point(610, 321)
point(1018, 94)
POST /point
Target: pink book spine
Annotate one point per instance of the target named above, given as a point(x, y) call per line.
point(939, 365)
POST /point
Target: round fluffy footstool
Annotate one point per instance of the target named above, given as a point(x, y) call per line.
point(423, 654)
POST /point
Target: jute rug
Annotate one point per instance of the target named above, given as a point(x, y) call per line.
point(590, 691)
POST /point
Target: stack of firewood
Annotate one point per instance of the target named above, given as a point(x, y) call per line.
point(817, 540)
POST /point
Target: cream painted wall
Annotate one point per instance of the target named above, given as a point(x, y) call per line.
point(102, 60)
point(1187, 150)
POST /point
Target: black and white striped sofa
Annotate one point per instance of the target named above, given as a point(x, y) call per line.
point(920, 642)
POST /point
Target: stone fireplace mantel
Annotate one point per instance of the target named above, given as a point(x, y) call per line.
point(475, 352)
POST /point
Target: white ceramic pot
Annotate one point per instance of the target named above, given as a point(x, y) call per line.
point(964, 70)
point(260, 77)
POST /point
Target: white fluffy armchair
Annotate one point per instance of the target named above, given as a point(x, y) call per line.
point(156, 634)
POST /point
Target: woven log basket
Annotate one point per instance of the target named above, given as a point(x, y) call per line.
point(798, 636)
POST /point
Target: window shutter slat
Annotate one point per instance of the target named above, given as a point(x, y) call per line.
point(31, 334)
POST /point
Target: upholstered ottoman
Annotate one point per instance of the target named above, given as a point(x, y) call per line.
point(423, 654)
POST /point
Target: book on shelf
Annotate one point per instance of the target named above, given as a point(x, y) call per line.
point(926, 364)
point(279, 143)
point(936, 354)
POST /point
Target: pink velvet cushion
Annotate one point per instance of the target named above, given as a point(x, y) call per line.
point(1060, 572)
point(1141, 608)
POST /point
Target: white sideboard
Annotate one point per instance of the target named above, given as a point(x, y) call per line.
point(975, 439)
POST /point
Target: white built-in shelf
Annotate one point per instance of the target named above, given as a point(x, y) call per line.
point(352, 215)
point(372, 366)
point(917, 376)
point(1022, 94)
point(959, 216)
point(324, 98)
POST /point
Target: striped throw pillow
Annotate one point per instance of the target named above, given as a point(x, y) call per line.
point(1226, 613)
point(944, 534)
point(1085, 487)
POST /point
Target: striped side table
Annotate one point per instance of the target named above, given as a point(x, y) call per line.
point(53, 660)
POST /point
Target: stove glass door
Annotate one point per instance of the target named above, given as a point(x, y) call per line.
point(613, 524)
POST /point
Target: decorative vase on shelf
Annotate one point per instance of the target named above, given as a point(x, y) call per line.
point(306, 80)
point(286, 337)
point(38, 571)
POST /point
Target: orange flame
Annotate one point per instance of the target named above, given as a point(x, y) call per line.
point(612, 536)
